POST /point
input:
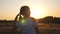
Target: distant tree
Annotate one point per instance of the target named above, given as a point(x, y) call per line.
point(49, 19)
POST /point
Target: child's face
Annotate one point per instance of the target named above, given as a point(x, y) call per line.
point(27, 13)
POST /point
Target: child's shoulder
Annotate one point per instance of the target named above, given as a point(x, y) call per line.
point(33, 18)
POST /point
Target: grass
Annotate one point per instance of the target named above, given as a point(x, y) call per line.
point(7, 28)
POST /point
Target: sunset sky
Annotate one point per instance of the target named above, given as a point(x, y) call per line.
point(39, 8)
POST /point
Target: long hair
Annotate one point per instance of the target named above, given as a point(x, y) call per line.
point(22, 11)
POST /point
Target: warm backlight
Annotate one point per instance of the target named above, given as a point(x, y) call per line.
point(36, 13)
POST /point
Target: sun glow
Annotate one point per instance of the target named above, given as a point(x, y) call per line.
point(36, 13)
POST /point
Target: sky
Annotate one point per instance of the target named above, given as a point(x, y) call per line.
point(10, 8)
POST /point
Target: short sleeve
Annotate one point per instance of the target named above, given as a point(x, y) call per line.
point(35, 23)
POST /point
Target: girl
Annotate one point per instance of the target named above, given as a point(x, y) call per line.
point(26, 24)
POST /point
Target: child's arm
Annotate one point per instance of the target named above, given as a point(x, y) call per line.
point(35, 24)
point(14, 24)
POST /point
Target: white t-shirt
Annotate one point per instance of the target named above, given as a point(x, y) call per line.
point(28, 27)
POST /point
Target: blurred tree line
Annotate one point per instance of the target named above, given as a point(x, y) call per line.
point(50, 19)
point(47, 19)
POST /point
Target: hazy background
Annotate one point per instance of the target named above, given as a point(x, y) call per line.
point(10, 8)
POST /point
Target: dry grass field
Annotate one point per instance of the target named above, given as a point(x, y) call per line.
point(6, 27)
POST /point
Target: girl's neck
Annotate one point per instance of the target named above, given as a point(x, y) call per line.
point(26, 17)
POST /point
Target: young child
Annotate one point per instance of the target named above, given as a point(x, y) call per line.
point(26, 24)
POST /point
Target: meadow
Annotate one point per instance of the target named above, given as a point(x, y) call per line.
point(6, 27)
